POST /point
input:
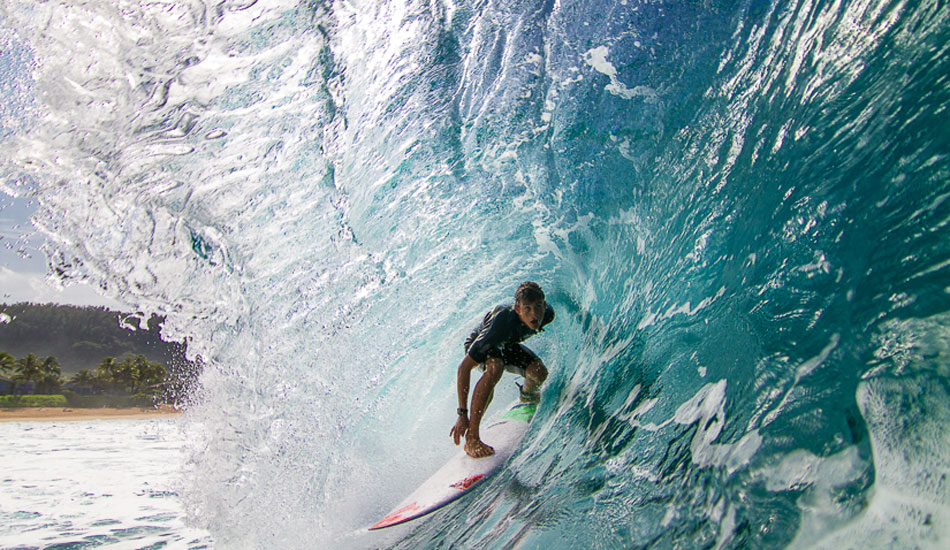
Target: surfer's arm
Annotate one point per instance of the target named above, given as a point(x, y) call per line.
point(463, 381)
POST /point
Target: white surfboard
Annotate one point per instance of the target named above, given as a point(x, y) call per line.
point(462, 472)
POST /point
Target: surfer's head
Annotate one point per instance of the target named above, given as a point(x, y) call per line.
point(530, 305)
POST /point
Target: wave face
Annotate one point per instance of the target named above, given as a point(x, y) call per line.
point(738, 210)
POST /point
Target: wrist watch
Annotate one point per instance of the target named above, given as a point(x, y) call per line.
point(462, 411)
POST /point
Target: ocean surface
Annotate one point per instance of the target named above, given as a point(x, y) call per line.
point(739, 211)
point(93, 484)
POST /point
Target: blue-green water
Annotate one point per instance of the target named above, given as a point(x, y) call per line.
point(738, 209)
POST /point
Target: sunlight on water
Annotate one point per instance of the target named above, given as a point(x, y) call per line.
point(83, 484)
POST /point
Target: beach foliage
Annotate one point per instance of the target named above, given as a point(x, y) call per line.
point(7, 362)
point(88, 352)
point(20, 401)
point(132, 381)
point(132, 375)
point(45, 375)
point(109, 401)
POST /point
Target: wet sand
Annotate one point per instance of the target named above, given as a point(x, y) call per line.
point(39, 414)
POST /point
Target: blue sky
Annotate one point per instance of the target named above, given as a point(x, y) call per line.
point(22, 263)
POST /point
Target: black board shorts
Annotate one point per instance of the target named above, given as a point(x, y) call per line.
point(516, 357)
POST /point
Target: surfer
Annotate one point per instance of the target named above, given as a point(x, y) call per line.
point(495, 346)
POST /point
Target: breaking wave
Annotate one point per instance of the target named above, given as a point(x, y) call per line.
point(738, 210)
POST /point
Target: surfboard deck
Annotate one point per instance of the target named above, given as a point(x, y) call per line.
point(462, 473)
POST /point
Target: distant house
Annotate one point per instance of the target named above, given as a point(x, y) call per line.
point(80, 390)
point(8, 387)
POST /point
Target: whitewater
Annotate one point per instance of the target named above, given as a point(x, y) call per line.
point(93, 484)
point(738, 210)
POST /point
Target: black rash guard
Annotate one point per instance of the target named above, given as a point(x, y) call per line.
point(501, 327)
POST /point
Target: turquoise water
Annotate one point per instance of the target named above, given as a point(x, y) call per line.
point(738, 209)
point(93, 484)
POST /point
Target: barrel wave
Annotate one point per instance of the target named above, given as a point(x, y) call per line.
point(739, 211)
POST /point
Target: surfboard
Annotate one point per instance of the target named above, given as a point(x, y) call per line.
point(462, 473)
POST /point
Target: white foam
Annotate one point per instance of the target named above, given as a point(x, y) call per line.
point(597, 58)
point(909, 425)
point(707, 409)
point(686, 308)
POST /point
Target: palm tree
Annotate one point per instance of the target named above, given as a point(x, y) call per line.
point(148, 374)
point(52, 378)
point(28, 369)
point(7, 362)
point(124, 376)
point(105, 373)
point(83, 379)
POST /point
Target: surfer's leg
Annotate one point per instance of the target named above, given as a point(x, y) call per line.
point(520, 360)
point(534, 375)
point(480, 399)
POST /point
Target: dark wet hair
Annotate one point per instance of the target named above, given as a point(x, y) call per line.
point(529, 292)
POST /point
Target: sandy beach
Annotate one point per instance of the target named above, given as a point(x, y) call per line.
point(38, 414)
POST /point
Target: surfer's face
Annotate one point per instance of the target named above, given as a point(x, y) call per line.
point(531, 313)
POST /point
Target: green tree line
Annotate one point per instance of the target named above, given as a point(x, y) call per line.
point(132, 375)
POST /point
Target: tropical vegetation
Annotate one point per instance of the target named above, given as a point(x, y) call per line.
point(22, 401)
point(131, 376)
point(138, 368)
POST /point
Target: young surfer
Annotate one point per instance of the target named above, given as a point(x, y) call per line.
point(495, 346)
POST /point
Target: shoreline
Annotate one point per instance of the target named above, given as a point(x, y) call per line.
point(50, 414)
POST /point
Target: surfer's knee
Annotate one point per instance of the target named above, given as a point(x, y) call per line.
point(537, 372)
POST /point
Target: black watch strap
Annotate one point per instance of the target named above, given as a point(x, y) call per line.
point(462, 411)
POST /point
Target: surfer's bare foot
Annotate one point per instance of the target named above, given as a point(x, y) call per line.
point(476, 449)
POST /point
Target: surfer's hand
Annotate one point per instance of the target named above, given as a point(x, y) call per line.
point(460, 429)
